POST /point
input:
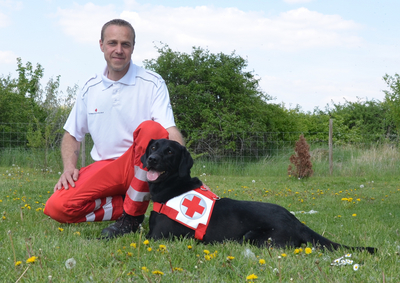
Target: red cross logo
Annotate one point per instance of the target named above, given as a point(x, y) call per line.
point(193, 206)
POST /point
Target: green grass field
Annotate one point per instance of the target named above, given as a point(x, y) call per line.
point(357, 206)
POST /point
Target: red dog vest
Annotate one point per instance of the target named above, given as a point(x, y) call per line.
point(192, 209)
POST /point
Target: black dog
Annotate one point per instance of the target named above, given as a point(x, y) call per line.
point(260, 223)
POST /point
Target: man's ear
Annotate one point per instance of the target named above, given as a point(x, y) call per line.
point(186, 163)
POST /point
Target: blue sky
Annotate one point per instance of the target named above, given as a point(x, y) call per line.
point(306, 52)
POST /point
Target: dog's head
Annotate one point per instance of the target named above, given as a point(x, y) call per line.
point(165, 158)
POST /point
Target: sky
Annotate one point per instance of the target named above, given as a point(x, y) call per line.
point(307, 53)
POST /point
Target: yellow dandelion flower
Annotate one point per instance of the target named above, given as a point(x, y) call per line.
point(230, 257)
point(145, 269)
point(4, 218)
point(206, 252)
point(261, 261)
point(129, 254)
point(178, 269)
point(149, 249)
point(207, 257)
point(18, 263)
point(130, 273)
point(158, 272)
point(146, 242)
point(354, 215)
point(283, 255)
point(296, 251)
point(308, 250)
point(32, 259)
point(77, 233)
point(60, 229)
point(162, 248)
point(189, 247)
point(251, 277)
point(133, 245)
point(339, 216)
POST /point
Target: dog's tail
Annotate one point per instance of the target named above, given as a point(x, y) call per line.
point(320, 241)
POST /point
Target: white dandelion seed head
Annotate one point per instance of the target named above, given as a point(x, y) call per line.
point(70, 263)
point(254, 181)
point(361, 186)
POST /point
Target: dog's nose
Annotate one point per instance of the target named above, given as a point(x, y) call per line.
point(153, 159)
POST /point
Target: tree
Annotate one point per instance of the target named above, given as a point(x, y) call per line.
point(301, 160)
point(392, 98)
point(213, 93)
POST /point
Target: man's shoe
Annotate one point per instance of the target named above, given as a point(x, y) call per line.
point(124, 225)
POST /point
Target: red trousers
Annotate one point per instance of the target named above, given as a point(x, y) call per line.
point(101, 187)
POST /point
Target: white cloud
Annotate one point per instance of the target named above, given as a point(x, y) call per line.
point(297, 1)
point(10, 4)
point(7, 57)
point(4, 20)
point(212, 27)
point(84, 23)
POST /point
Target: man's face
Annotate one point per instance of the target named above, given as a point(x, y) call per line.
point(117, 48)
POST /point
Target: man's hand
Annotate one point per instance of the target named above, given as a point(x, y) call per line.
point(68, 178)
point(70, 152)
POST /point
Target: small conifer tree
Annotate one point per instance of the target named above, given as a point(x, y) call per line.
point(301, 160)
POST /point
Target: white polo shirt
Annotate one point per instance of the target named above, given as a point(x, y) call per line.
point(111, 111)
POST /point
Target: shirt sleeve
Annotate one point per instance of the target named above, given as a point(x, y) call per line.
point(76, 123)
point(161, 110)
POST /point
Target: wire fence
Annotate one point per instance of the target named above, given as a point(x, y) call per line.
point(237, 147)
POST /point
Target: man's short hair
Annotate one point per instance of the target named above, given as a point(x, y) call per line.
point(118, 22)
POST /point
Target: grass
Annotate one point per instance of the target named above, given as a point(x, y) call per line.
point(352, 209)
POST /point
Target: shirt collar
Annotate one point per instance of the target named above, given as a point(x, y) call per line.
point(128, 79)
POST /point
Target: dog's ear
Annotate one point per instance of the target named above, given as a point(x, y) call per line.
point(186, 163)
point(146, 154)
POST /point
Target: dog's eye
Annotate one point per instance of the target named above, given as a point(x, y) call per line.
point(169, 151)
point(153, 148)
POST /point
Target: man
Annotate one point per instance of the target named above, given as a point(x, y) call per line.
point(123, 109)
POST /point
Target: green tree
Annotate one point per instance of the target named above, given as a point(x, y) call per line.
point(392, 98)
point(213, 93)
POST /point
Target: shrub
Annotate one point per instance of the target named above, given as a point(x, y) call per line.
point(301, 160)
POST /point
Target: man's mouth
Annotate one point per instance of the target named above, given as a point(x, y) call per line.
point(153, 175)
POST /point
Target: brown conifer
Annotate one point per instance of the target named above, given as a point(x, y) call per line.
point(301, 160)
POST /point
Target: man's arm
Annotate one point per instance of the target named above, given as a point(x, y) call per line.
point(175, 135)
point(70, 153)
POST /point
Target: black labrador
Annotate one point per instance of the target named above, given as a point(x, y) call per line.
point(262, 224)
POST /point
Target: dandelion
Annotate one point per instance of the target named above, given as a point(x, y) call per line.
point(308, 250)
point(77, 233)
point(130, 273)
point(145, 269)
point(251, 277)
point(178, 269)
point(133, 245)
point(162, 248)
point(356, 267)
point(207, 257)
point(296, 251)
point(158, 272)
point(361, 186)
point(261, 261)
point(129, 254)
point(206, 252)
point(32, 259)
point(149, 249)
point(18, 263)
point(146, 242)
point(229, 258)
point(189, 247)
point(60, 229)
point(354, 215)
point(70, 263)
point(283, 255)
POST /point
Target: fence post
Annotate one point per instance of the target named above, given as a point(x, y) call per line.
point(83, 152)
point(330, 146)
